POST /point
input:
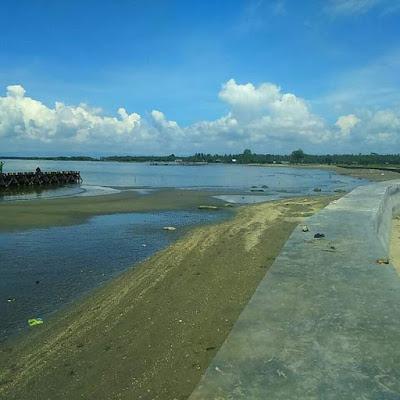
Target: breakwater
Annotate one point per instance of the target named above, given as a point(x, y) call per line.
point(26, 179)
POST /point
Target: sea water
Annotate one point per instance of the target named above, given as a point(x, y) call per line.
point(113, 177)
point(42, 270)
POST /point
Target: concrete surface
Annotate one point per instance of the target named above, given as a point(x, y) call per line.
point(325, 321)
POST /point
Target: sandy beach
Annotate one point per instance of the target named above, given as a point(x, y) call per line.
point(151, 332)
point(395, 244)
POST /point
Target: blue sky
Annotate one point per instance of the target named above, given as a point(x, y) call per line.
point(168, 64)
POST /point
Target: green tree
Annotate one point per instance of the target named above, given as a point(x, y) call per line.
point(247, 156)
point(297, 156)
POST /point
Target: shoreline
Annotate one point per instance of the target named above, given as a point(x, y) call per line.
point(394, 254)
point(139, 334)
point(71, 210)
point(30, 214)
point(371, 174)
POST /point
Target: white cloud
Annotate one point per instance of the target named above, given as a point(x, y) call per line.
point(266, 112)
point(349, 7)
point(16, 91)
point(346, 123)
point(262, 116)
point(356, 7)
point(371, 130)
point(387, 119)
point(26, 118)
point(162, 122)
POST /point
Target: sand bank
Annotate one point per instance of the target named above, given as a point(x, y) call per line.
point(72, 210)
point(395, 244)
point(151, 333)
point(374, 175)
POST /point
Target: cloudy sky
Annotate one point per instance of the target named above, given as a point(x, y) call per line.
point(165, 76)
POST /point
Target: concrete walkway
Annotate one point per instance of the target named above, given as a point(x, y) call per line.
point(325, 321)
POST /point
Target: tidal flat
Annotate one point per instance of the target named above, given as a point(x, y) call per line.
point(30, 214)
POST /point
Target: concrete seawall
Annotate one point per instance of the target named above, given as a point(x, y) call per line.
point(325, 321)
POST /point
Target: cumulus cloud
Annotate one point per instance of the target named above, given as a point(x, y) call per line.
point(16, 91)
point(371, 130)
point(383, 127)
point(266, 112)
point(262, 116)
point(25, 118)
point(346, 123)
point(257, 114)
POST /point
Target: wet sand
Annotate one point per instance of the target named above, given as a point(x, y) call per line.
point(395, 244)
point(29, 214)
point(374, 175)
point(151, 332)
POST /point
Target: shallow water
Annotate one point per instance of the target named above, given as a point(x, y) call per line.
point(107, 177)
point(42, 270)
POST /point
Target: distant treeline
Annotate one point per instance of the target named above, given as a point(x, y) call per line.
point(247, 157)
point(60, 158)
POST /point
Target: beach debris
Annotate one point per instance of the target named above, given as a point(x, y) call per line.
point(207, 207)
point(264, 186)
point(317, 189)
point(11, 299)
point(331, 249)
point(383, 260)
point(35, 321)
point(257, 190)
point(281, 373)
point(319, 236)
point(305, 228)
point(169, 228)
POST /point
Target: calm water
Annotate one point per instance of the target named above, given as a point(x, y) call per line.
point(110, 177)
point(44, 269)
